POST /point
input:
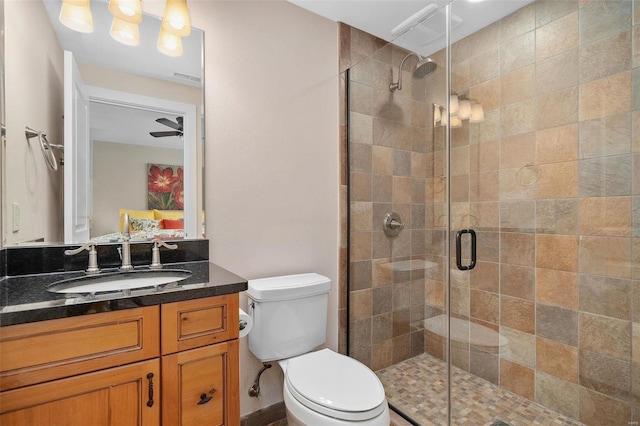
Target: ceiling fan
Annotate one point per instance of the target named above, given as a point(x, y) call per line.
point(177, 125)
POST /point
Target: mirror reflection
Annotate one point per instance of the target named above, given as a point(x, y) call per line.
point(142, 152)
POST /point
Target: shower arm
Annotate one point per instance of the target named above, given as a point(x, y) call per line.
point(398, 85)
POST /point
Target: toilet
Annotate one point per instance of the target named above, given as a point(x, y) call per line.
point(320, 387)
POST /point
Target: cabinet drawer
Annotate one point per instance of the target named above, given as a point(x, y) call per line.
point(47, 350)
point(113, 397)
point(194, 323)
point(200, 386)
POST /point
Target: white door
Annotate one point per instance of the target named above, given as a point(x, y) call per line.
point(77, 155)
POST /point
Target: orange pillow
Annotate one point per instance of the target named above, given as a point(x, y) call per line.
point(172, 224)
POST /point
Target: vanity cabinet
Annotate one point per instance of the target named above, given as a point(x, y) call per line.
point(171, 364)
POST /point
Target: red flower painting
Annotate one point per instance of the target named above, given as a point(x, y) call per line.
point(165, 186)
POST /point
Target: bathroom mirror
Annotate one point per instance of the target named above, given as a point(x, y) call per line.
point(132, 91)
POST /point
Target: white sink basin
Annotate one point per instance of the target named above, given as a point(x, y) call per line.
point(119, 281)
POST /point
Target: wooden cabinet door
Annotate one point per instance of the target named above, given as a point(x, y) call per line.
point(114, 397)
point(200, 386)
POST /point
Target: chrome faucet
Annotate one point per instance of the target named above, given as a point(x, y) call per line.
point(126, 245)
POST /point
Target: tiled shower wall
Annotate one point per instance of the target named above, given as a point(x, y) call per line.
point(551, 183)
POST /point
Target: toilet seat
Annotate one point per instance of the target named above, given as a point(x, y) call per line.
point(335, 385)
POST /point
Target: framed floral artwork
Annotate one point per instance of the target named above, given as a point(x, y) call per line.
point(165, 187)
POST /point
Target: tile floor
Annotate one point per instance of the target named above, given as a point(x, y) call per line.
point(418, 387)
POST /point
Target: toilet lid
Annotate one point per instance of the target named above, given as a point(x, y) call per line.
point(335, 385)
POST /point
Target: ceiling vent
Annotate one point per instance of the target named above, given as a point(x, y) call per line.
point(187, 77)
point(425, 26)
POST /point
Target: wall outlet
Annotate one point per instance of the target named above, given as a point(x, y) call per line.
point(15, 217)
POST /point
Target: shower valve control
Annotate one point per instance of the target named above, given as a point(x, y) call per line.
point(392, 224)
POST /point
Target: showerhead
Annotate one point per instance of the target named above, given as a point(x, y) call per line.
point(423, 68)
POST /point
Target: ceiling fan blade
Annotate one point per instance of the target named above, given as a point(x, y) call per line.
point(167, 122)
point(179, 120)
point(162, 134)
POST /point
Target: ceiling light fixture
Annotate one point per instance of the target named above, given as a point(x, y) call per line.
point(125, 32)
point(126, 10)
point(176, 18)
point(169, 43)
point(76, 15)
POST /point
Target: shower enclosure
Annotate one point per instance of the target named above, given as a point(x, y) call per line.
point(511, 293)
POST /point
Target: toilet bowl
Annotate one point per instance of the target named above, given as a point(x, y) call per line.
point(321, 387)
point(325, 388)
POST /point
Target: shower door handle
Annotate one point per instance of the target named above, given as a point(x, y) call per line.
point(459, 234)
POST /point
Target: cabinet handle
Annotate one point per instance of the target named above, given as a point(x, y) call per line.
point(204, 399)
point(150, 401)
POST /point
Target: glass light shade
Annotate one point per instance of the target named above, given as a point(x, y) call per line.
point(445, 119)
point(464, 109)
point(76, 15)
point(125, 32)
point(437, 116)
point(477, 114)
point(169, 43)
point(455, 122)
point(126, 10)
point(453, 103)
point(176, 18)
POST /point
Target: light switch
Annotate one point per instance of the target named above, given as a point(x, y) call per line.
point(15, 217)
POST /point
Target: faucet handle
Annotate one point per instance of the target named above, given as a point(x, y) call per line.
point(93, 256)
point(155, 252)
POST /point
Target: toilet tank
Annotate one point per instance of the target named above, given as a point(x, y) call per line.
point(289, 315)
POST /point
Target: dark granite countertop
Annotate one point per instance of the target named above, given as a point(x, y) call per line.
point(24, 298)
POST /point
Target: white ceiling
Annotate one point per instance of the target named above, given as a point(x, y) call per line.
point(380, 17)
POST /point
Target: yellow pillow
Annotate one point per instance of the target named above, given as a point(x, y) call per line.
point(168, 214)
point(134, 214)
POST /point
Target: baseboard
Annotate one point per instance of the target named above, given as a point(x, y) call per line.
point(265, 416)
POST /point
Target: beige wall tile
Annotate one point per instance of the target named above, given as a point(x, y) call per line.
point(360, 246)
point(557, 73)
point(518, 86)
point(517, 378)
point(518, 184)
point(557, 359)
point(518, 314)
point(608, 256)
point(401, 193)
point(485, 215)
point(557, 108)
point(598, 409)
point(519, 22)
point(517, 249)
point(517, 281)
point(607, 296)
point(460, 74)
point(557, 394)
point(609, 216)
point(606, 96)
point(485, 187)
point(360, 304)
point(555, 287)
point(550, 10)
point(608, 336)
point(361, 213)
point(518, 118)
point(558, 144)
point(361, 187)
point(520, 347)
point(418, 165)
point(517, 52)
point(557, 252)
point(557, 180)
point(604, 57)
point(485, 276)
point(484, 67)
point(557, 36)
point(460, 161)
point(487, 93)
point(488, 130)
point(484, 306)
point(382, 160)
point(518, 150)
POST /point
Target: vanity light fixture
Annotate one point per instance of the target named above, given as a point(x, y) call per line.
point(176, 18)
point(454, 104)
point(465, 109)
point(76, 14)
point(169, 43)
point(126, 10)
point(125, 32)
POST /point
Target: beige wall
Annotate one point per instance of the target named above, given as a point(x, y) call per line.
point(271, 185)
point(125, 187)
point(34, 82)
